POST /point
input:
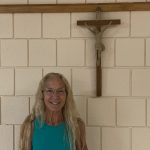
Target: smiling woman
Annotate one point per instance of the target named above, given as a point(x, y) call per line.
point(54, 122)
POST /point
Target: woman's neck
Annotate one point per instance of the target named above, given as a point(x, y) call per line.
point(54, 118)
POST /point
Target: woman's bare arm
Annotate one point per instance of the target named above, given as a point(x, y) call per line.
point(82, 135)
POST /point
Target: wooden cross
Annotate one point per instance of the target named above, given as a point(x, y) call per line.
point(95, 27)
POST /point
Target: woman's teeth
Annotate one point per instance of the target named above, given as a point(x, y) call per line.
point(54, 103)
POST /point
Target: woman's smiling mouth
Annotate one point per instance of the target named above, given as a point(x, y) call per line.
point(55, 103)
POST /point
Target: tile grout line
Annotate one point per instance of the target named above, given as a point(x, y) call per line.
point(146, 101)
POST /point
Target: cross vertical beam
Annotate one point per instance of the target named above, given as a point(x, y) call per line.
point(99, 79)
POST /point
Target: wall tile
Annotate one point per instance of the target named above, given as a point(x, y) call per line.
point(27, 25)
point(148, 111)
point(6, 29)
point(130, 52)
point(130, 112)
point(70, 2)
point(27, 80)
point(101, 111)
point(147, 52)
point(140, 82)
point(140, 24)
point(93, 138)
point(140, 138)
point(81, 31)
point(13, 2)
point(115, 82)
point(81, 106)
point(100, 1)
point(56, 25)
point(107, 54)
point(16, 137)
point(6, 81)
point(9, 105)
point(132, 0)
point(83, 81)
point(6, 134)
point(42, 52)
point(10, 50)
point(115, 139)
point(90, 52)
point(70, 52)
point(42, 1)
point(66, 72)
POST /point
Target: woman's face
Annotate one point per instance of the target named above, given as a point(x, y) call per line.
point(54, 95)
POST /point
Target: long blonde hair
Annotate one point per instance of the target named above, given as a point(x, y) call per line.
point(70, 115)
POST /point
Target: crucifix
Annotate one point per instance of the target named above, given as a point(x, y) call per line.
point(95, 26)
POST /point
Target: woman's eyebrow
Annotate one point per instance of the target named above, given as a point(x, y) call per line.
point(53, 88)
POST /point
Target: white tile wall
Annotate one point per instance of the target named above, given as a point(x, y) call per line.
point(6, 81)
point(90, 52)
point(101, 111)
point(116, 138)
point(147, 52)
point(115, 82)
point(83, 81)
point(42, 1)
point(148, 112)
point(14, 53)
point(6, 136)
point(17, 135)
point(132, 0)
point(42, 53)
point(6, 28)
point(56, 25)
point(130, 52)
point(141, 82)
point(27, 25)
point(70, 2)
point(27, 80)
point(93, 138)
point(140, 138)
point(9, 105)
point(100, 1)
point(81, 106)
point(13, 2)
point(68, 52)
point(140, 24)
point(131, 112)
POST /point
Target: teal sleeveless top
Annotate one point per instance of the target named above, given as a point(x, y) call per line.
point(49, 137)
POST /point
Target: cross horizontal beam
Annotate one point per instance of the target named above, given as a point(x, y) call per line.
point(63, 8)
point(98, 22)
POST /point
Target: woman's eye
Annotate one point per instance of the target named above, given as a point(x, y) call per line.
point(60, 91)
point(49, 91)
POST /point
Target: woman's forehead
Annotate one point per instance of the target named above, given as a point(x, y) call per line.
point(55, 82)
